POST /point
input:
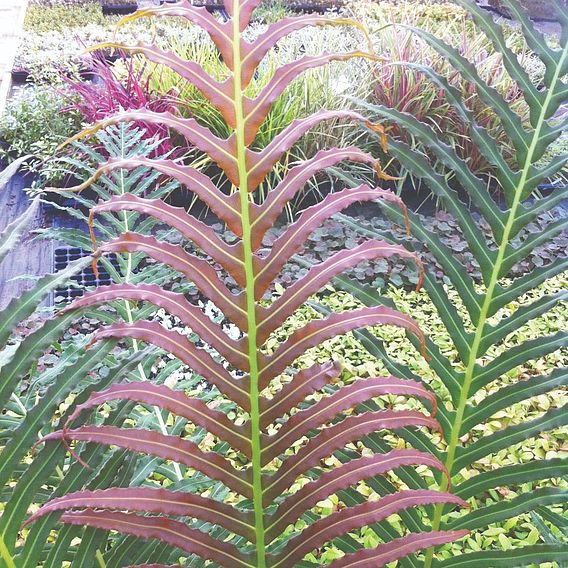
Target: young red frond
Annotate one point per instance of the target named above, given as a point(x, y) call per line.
point(176, 402)
point(318, 276)
point(166, 447)
point(396, 549)
point(230, 257)
point(318, 331)
point(351, 518)
point(233, 350)
point(166, 530)
point(158, 502)
point(346, 475)
point(224, 206)
point(195, 269)
point(335, 437)
point(180, 346)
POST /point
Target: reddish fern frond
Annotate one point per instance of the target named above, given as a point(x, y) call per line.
point(233, 350)
point(344, 521)
point(166, 447)
point(225, 207)
point(166, 530)
point(193, 409)
point(280, 437)
point(346, 475)
point(396, 549)
point(333, 438)
point(230, 257)
point(177, 344)
point(195, 269)
point(304, 383)
point(158, 502)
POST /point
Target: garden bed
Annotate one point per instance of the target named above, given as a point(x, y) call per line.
point(52, 117)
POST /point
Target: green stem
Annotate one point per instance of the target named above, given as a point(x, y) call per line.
point(5, 554)
point(100, 560)
point(487, 302)
point(249, 291)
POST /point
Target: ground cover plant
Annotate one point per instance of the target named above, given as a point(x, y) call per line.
point(334, 234)
point(58, 17)
point(252, 520)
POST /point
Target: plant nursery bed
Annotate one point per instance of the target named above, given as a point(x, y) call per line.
point(23, 76)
